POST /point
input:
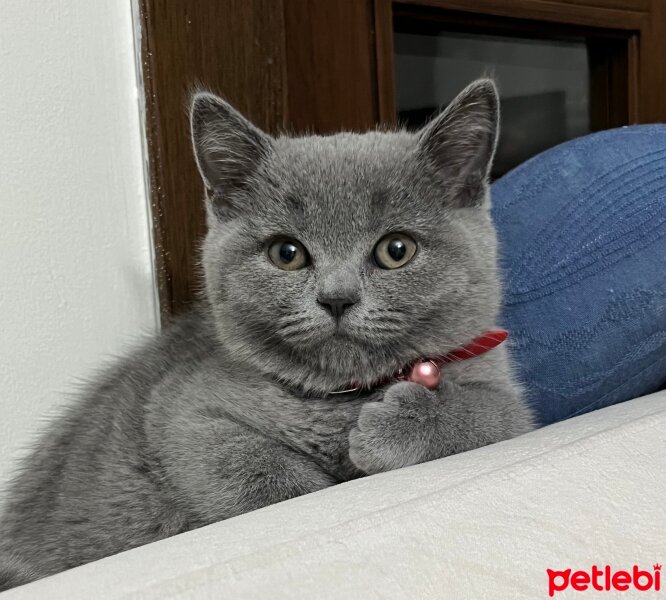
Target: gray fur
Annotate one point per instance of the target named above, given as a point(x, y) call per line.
point(228, 410)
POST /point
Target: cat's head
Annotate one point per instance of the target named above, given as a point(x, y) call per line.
point(339, 259)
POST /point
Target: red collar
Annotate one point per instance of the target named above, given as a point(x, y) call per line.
point(478, 346)
point(427, 372)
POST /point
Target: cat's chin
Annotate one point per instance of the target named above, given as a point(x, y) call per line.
point(339, 359)
point(340, 363)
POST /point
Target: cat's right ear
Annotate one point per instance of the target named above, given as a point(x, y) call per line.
point(459, 144)
point(227, 147)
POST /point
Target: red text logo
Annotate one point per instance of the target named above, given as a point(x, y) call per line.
point(604, 579)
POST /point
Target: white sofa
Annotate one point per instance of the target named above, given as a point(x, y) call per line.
point(484, 524)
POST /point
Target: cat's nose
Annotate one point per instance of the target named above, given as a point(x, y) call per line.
point(336, 306)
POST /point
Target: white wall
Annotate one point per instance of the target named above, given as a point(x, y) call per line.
point(76, 278)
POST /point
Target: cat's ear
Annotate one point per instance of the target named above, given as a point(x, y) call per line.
point(459, 144)
point(228, 148)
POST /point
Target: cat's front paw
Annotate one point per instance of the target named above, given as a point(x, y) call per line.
point(395, 432)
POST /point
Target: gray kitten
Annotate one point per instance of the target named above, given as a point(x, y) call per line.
point(330, 263)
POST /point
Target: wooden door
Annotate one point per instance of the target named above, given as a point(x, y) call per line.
point(326, 65)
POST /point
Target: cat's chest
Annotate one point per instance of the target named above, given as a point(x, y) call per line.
point(320, 428)
point(317, 427)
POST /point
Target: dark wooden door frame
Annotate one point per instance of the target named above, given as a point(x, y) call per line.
point(289, 65)
point(317, 66)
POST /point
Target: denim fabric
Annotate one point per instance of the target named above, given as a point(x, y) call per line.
point(582, 230)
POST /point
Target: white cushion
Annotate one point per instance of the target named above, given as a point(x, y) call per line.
point(484, 524)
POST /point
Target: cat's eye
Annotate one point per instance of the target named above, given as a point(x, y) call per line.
point(394, 250)
point(288, 255)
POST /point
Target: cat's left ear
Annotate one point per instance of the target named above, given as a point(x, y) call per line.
point(228, 148)
point(459, 144)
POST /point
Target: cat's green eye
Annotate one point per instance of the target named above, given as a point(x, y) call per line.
point(288, 255)
point(394, 250)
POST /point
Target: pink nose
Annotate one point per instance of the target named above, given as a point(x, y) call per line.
point(425, 373)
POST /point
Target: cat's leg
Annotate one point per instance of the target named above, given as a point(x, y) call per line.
point(232, 469)
point(14, 572)
point(413, 424)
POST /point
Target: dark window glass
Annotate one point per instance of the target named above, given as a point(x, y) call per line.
point(544, 85)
